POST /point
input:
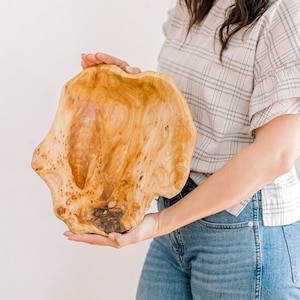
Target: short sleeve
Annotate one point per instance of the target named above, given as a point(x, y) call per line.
point(176, 14)
point(277, 65)
point(168, 23)
point(278, 108)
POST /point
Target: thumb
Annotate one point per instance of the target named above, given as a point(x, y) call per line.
point(122, 239)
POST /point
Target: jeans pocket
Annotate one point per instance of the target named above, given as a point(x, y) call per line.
point(225, 220)
point(292, 237)
point(225, 225)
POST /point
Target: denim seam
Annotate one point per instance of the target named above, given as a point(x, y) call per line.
point(257, 238)
point(225, 226)
point(290, 246)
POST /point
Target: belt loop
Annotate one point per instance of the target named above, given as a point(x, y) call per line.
point(256, 205)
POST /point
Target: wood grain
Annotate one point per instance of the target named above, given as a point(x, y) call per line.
point(117, 141)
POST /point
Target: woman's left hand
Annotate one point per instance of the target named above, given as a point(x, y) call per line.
point(147, 229)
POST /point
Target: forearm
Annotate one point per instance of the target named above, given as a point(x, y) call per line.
point(273, 153)
point(240, 178)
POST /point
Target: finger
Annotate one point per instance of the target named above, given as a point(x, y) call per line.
point(93, 239)
point(90, 59)
point(123, 239)
point(98, 58)
point(108, 59)
point(132, 70)
point(83, 64)
point(67, 233)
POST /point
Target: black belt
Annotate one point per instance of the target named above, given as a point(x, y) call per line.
point(188, 187)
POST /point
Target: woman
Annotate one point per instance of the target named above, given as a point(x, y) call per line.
point(234, 230)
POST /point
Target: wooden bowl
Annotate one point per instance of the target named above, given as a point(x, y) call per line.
point(117, 142)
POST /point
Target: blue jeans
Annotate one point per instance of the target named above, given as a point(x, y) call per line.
point(223, 257)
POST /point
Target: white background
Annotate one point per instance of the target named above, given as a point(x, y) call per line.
point(40, 46)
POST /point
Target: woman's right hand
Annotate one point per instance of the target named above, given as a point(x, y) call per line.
point(99, 58)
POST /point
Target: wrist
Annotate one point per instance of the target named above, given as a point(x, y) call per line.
point(162, 224)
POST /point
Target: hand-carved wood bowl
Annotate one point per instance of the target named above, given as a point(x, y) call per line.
point(117, 142)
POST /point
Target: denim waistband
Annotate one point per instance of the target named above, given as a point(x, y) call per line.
point(253, 208)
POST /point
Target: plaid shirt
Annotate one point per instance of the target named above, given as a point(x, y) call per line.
point(258, 80)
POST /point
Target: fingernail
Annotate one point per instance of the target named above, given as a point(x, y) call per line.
point(129, 69)
point(111, 236)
